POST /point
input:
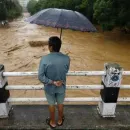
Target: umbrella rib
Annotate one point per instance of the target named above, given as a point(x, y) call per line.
point(59, 18)
point(78, 16)
point(44, 12)
point(87, 21)
point(39, 14)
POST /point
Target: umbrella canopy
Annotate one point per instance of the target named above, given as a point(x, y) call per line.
point(62, 18)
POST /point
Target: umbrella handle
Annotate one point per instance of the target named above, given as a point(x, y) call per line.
point(61, 33)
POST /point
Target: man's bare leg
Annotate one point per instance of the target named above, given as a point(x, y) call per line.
point(60, 113)
point(52, 115)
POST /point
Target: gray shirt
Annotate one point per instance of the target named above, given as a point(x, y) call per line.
point(54, 67)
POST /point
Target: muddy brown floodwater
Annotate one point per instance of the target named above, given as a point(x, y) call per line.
point(88, 52)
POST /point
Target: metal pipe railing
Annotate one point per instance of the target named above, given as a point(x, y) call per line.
point(79, 99)
point(70, 73)
point(40, 87)
point(69, 87)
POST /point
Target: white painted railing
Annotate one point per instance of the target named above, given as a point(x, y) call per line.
point(40, 87)
point(69, 87)
point(79, 99)
point(71, 73)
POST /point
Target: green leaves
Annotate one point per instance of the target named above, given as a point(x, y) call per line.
point(9, 9)
point(104, 13)
point(112, 13)
point(31, 6)
point(3, 10)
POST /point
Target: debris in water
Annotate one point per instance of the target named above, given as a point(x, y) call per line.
point(38, 43)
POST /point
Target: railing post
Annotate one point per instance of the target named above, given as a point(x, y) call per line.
point(4, 95)
point(109, 95)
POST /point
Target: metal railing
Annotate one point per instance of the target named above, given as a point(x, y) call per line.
point(69, 87)
point(70, 73)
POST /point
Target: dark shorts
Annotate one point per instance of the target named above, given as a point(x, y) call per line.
point(53, 98)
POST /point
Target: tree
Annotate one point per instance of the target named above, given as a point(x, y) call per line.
point(14, 9)
point(104, 13)
point(123, 20)
point(86, 7)
point(112, 13)
point(3, 10)
point(66, 4)
point(31, 6)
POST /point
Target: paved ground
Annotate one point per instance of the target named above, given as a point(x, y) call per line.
point(77, 117)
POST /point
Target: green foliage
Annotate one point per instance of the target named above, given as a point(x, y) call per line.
point(3, 10)
point(104, 13)
point(66, 4)
point(13, 14)
point(9, 9)
point(112, 13)
point(31, 6)
point(14, 9)
point(123, 14)
point(86, 7)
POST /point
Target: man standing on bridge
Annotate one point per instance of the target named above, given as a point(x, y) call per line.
point(52, 73)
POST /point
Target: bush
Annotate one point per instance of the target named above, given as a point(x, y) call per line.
point(86, 7)
point(31, 6)
point(13, 14)
point(3, 10)
point(112, 13)
point(123, 14)
point(9, 9)
point(105, 14)
point(66, 4)
point(14, 9)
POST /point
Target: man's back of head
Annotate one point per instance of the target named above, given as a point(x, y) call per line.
point(54, 44)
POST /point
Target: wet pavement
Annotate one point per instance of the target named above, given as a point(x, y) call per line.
point(76, 117)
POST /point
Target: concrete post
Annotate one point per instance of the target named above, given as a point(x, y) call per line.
point(4, 95)
point(109, 95)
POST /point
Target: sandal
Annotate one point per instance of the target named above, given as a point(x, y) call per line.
point(48, 122)
point(63, 118)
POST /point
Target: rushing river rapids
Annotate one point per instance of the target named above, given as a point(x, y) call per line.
point(88, 51)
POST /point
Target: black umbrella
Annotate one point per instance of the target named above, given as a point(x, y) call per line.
point(62, 18)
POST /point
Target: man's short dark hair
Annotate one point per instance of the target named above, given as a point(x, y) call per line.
point(55, 42)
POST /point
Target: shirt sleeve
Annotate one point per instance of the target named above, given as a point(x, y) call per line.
point(41, 73)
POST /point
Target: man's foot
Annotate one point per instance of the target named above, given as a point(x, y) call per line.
point(60, 122)
point(50, 123)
